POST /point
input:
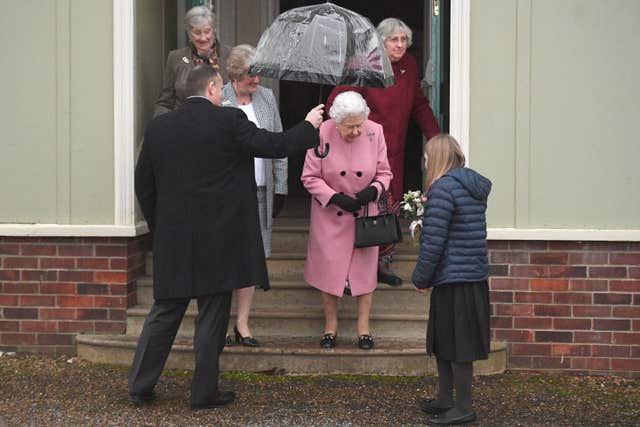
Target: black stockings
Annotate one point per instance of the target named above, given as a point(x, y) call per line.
point(460, 375)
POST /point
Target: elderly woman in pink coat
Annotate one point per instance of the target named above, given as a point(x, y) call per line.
point(341, 184)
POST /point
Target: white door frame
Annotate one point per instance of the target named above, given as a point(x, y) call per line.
point(459, 79)
point(123, 111)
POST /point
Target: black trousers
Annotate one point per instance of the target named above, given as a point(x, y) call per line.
point(158, 333)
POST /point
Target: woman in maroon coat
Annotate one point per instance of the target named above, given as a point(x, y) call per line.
point(392, 107)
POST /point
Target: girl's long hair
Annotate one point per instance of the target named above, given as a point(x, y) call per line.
point(443, 154)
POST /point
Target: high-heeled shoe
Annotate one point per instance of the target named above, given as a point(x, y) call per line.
point(245, 341)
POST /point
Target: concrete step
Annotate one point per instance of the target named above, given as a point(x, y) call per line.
point(304, 321)
point(292, 235)
point(288, 266)
point(286, 293)
point(301, 356)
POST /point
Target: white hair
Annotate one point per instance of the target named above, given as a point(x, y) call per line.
point(238, 60)
point(348, 104)
point(198, 16)
point(388, 26)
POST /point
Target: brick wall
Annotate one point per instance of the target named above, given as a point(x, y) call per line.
point(571, 306)
point(52, 288)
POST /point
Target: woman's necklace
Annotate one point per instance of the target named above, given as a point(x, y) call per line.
point(242, 99)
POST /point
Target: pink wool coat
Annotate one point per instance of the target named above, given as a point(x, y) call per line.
point(349, 168)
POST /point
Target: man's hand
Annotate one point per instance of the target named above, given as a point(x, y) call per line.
point(344, 202)
point(315, 116)
point(421, 291)
point(367, 195)
point(278, 204)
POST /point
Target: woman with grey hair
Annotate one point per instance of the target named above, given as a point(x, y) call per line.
point(341, 184)
point(393, 107)
point(260, 106)
point(203, 49)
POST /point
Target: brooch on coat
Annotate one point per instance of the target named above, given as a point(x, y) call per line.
point(403, 70)
point(371, 134)
point(185, 59)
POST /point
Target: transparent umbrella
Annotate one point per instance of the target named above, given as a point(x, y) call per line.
point(325, 44)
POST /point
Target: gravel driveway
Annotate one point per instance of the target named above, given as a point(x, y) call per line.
point(45, 391)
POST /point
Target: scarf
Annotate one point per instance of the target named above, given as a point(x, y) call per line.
point(210, 58)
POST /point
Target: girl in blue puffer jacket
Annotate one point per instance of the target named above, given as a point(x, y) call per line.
point(453, 261)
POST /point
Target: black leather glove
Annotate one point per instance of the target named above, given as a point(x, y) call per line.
point(367, 195)
point(345, 203)
point(278, 204)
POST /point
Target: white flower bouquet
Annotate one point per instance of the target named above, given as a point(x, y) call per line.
point(412, 207)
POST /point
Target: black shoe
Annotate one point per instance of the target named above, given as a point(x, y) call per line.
point(245, 341)
point(430, 406)
point(441, 419)
point(365, 342)
point(328, 341)
point(141, 399)
point(224, 398)
point(386, 275)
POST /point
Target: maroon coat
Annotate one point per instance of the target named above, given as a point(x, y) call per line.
point(392, 107)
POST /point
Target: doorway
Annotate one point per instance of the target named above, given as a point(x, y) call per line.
point(429, 30)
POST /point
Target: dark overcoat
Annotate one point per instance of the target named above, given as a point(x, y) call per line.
point(195, 183)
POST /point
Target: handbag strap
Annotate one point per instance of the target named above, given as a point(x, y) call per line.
point(382, 200)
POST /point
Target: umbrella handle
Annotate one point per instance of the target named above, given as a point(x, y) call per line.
point(322, 155)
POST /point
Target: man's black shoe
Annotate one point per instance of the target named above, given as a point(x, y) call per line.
point(224, 398)
point(443, 419)
point(141, 399)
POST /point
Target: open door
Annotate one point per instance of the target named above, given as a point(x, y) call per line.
point(297, 98)
point(437, 72)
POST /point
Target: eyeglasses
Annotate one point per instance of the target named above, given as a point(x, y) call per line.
point(199, 32)
point(398, 39)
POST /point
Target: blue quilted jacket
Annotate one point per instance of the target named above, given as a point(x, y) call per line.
point(453, 248)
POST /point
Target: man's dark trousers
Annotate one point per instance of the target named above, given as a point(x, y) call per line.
point(159, 331)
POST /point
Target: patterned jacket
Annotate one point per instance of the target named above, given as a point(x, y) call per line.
point(174, 84)
point(266, 110)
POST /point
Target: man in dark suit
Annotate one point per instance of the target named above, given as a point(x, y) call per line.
point(195, 183)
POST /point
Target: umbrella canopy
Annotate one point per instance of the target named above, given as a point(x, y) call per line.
point(324, 44)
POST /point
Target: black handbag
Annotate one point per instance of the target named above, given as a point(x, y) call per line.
point(381, 229)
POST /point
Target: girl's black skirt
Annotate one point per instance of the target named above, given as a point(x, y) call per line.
point(458, 328)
